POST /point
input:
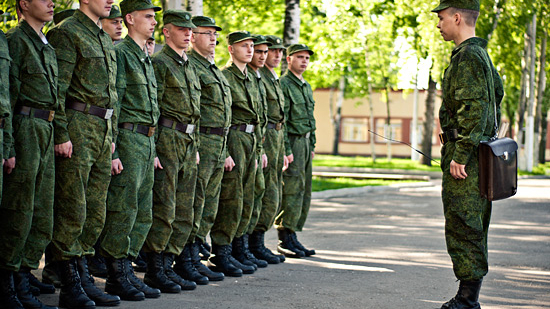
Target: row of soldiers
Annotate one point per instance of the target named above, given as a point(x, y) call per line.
point(108, 152)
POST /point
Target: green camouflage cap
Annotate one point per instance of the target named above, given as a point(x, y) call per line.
point(294, 48)
point(239, 36)
point(115, 12)
point(459, 4)
point(205, 21)
point(276, 42)
point(178, 18)
point(129, 6)
point(60, 16)
point(261, 39)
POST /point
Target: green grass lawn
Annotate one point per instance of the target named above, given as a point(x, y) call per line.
point(322, 184)
point(357, 161)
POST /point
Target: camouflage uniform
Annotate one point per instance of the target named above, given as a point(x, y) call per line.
point(215, 105)
point(87, 95)
point(471, 88)
point(5, 109)
point(130, 196)
point(237, 192)
point(174, 188)
point(26, 214)
point(299, 141)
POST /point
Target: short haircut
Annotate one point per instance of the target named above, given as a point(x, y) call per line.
point(470, 16)
point(18, 5)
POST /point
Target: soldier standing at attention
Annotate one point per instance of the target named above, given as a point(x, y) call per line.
point(113, 24)
point(130, 196)
point(215, 110)
point(174, 189)
point(472, 92)
point(83, 130)
point(26, 211)
point(237, 192)
point(274, 148)
point(300, 150)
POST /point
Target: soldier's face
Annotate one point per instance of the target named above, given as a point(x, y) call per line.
point(204, 43)
point(298, 62)
point(260, 54)
point(178, 36)
point(447, 24)
point(113, 27)
point(40, 10)
point(274, 57)
point(242, 51)
point(100, 8)
point(143, 23)
point(150, 44)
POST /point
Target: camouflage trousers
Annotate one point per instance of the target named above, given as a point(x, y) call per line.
point(81, 184)
point(296, 187)
point(130, 197)
point(173, 192)
point(274, 148)
point(467, 217)
point(259, 190)
point(237, 192)
point(26, 212)
point(209, 183)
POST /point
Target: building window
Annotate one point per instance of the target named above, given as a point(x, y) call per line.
point(393, 132)
point(354, 130)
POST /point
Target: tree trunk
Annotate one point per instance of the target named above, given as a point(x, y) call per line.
point(530, 131)
point(543, 131)
point(523, 87)
point(338, 115)
point(291, 31)
point(389, 131)
point(372, 127)
point(540, 95)
point(195, 7)
point(428, 122)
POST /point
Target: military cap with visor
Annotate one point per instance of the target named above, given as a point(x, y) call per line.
point(115, 12)
point(458, 4)
point(239, 36)
point(276, 42)
point(129, 6)
point(294, 48)
point(178, 18)
point(261, 39)
point(205, 21)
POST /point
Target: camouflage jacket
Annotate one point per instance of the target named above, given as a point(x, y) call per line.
point(215, 99)
point(5, 109)
point(87, 67)
point(33, 72)
point(471, 89)
point(262, 106)
point(275, 97)
point(299, 106)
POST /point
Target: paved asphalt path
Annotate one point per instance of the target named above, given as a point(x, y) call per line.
point(385, 248)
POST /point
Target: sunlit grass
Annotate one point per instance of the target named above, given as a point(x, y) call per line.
point(383, 163)
point(322, 184)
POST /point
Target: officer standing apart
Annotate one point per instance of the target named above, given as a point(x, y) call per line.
point(237, 193)
point(26, 212)
point(113, 24)
point(174, 189)
point(215, 110)
point(274, 148)
point(300, 150)
point(130, 196)
point(472, 92)
point(83, 145)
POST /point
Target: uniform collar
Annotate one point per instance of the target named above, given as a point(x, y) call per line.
point(35, 38)
point(295, 78)
point(232, 67)
point(202, 60)
point(471, 41)
point(87, 22)
point(172, 54)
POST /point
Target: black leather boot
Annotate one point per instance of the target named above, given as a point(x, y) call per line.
point(96, 266)
point(93, 292)
point(260, 263)
point(184, 267)
point(247, 270)
point(50, 273)
point(466, 297)
point(156, 277)
point(201, 268)
point(172, 275)
point(140, 262)
point(25, 296)
point(299, 246)
point(257, 247)
point(204, 250)
point(118, 283)
point(8, 296)
point(43, 288)
point(137, 283)
point(72, 295)
point(286, 246)
point(239, 253)
point(220, 261)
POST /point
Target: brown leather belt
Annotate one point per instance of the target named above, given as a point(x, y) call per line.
point(185, 128)
point(103, 113)
point(145, 130)
point(448, 136)
point(217, 131)
point(35, 112)
point(277, 126)
point(248, 128)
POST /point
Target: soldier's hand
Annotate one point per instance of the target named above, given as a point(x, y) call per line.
point(116, 167)
point(290, 158)
point(458, 171)
point(312, 154)
point(264, 160)
point(9, 165)
point(229, 164)
point(113, 147)
point(157, 164)
point(64, 150)
point(198, 158)
point(285, 163)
